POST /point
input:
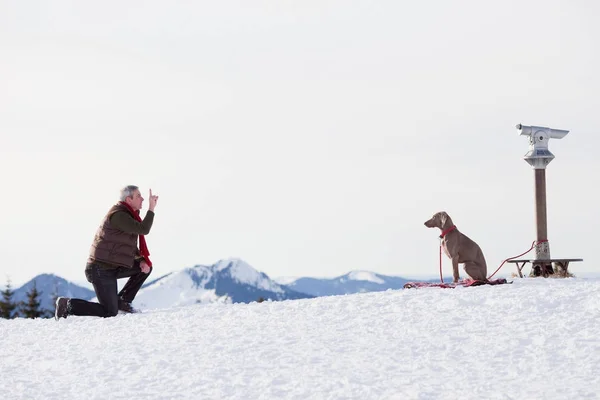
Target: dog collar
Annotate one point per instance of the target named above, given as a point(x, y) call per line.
point(445, 232)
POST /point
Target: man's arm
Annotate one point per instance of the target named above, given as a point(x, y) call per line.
point(123, 221)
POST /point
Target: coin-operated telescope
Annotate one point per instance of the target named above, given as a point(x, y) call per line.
point(538, 155)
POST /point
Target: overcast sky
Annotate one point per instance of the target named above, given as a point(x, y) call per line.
point(308, 138)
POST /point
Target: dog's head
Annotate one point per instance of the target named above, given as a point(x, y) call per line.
point(439, 220)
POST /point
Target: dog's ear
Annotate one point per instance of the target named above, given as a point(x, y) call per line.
point(443, 218)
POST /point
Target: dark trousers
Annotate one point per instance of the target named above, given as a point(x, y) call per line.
point(105, 285)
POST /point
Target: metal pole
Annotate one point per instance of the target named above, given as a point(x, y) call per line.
point(540, 205)
point(542, 246)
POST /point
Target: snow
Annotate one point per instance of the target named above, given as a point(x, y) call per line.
point(244, 273)
point(285, 280)
point(178, 289)
point(537, 338)
point(365, 276)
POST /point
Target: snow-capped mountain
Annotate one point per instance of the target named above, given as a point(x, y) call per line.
point(230, 280)
point(50, 286)
point(352, 282)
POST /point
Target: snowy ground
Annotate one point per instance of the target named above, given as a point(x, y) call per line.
point(534, 339)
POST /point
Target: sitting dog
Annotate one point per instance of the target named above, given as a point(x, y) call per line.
point(459, 248)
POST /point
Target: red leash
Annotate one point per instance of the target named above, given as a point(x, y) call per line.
point(444, 233)
point(532, 246)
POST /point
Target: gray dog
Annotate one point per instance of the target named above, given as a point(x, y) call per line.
point(459, 248)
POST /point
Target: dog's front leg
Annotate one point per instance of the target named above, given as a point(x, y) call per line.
point(455, 274)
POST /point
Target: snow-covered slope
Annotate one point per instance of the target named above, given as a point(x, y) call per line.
point(241, 272)
point(230, 280)
point(534, 339)
point(179, 289)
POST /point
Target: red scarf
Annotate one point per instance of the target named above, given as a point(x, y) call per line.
point(143, 247)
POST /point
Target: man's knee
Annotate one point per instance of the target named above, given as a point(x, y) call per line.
point(111, 310)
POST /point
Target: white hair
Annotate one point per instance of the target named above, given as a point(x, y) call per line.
point(127, 191)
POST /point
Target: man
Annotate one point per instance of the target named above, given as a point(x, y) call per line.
point(114, 255)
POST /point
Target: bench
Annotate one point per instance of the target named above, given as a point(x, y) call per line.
point(561, 266)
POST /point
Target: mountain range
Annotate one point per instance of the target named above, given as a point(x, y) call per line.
point(229, 280)
point(352, 282)
point(50, 286)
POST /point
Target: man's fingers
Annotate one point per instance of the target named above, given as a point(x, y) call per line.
point(150, 192)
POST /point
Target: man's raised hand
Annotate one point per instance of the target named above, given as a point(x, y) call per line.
point(153, 200)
